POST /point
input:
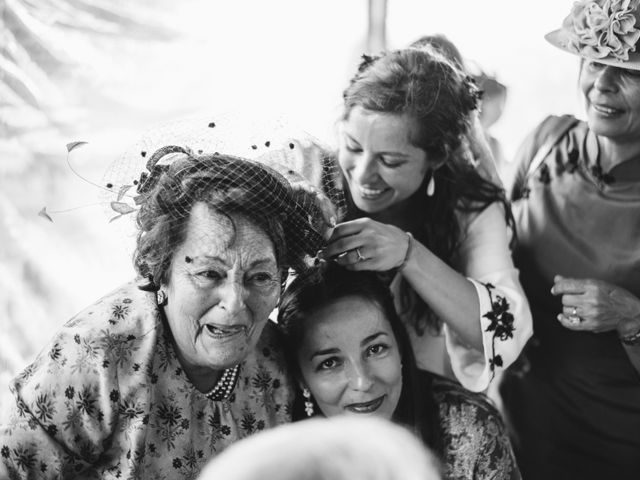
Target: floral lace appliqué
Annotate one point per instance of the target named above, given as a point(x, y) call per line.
point(500, 323)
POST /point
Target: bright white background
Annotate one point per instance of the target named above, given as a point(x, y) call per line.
point(281, 56)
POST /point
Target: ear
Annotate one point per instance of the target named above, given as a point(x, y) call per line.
point(435, 163)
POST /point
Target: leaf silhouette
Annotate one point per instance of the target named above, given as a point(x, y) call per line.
point(43, 213)
point(123, 190)
point(122, 208)
point(115, 218)
point(73, 145)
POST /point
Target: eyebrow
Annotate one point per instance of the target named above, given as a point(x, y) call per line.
point(394, 153)
point(351, 138)
point(256, 262)
point(326, 351)
point(373, 337)
point(329, 351)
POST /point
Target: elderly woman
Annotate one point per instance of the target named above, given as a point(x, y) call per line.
point(418, 209)
point(158, 376)
point(352, 357)
point(576, 411)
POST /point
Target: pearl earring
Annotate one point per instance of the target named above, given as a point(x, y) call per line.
point(431, 186)
point(308, 404)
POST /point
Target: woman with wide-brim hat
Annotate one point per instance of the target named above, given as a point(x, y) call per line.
point(576, 198)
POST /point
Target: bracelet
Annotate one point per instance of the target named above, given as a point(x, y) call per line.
point(631, 338)
point(408, 254)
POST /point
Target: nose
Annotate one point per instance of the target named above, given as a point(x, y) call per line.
point(606, 79)
point(359, 377)
point(364, 169)
point(232, 296)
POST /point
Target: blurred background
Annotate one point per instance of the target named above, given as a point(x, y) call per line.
point(104, 71)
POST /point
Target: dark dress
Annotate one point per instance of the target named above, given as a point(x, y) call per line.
point(575, 409)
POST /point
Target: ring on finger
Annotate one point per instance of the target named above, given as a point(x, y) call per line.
point(574, 312)
point(361, 257)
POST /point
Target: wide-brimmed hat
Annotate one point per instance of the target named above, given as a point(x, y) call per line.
point(606, 31)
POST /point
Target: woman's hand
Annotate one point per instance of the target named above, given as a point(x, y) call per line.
point(365, 244)
point(596, 306)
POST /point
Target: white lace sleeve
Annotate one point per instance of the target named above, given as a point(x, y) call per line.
point(505, 317)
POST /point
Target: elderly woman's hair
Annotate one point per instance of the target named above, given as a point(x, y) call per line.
point(438, 99)
point(344, 448)
point(226, 184)
point(331, 282)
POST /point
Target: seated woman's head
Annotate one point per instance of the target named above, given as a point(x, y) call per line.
point(216, 236)
point(347, 343)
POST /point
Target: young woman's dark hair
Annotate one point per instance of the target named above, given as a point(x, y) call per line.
point(330, 282)
point(439, 99)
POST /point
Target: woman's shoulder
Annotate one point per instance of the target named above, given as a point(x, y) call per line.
point(449, 395)
point(474, 438)
point(114, 331)
point(268, 355)
point(127, 309)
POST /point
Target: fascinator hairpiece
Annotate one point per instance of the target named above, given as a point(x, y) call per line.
point(278, 172)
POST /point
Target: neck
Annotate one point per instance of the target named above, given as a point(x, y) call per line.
point(614, 152)
point(203, 378)
point(404, 215)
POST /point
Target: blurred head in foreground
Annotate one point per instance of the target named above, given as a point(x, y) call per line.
point(340, 448)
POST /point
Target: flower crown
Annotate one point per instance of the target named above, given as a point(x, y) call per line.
point(599, 29)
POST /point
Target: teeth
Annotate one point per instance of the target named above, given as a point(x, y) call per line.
point(366, 407)
point(221, 332)
point(370, 192)
point(606, 110)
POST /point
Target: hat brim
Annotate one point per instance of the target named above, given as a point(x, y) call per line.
point(558, 38)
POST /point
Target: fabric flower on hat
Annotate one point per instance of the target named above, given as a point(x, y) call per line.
point(598, 29)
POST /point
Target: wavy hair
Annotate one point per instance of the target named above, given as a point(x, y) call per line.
point(228, 185)
point(438, 98)
point(329, 283)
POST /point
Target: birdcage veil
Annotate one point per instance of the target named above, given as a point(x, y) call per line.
point(279, 177)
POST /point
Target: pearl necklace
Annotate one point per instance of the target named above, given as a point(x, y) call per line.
point(225, 385)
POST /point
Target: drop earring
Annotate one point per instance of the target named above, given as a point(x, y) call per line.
point(308, 404)
point(161, 298)
point(431, 186)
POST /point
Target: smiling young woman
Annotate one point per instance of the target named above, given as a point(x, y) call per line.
point(425, 216)
point(352, 357)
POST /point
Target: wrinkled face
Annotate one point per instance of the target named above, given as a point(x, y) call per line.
point(612, 100)
point(350, 360)
point(381, 166)
point(223, 284)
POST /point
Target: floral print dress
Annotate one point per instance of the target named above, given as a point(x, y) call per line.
point(108, 399)
point(474, 438)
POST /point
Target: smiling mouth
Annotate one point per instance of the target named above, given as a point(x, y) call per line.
point(604, 110)
point(225, 331)
point(366, 407)
point(370, 193)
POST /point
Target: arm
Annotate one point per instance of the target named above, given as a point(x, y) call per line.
point(60, 420)
point(503, 316)
point(365, 244)
point(476, 344)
